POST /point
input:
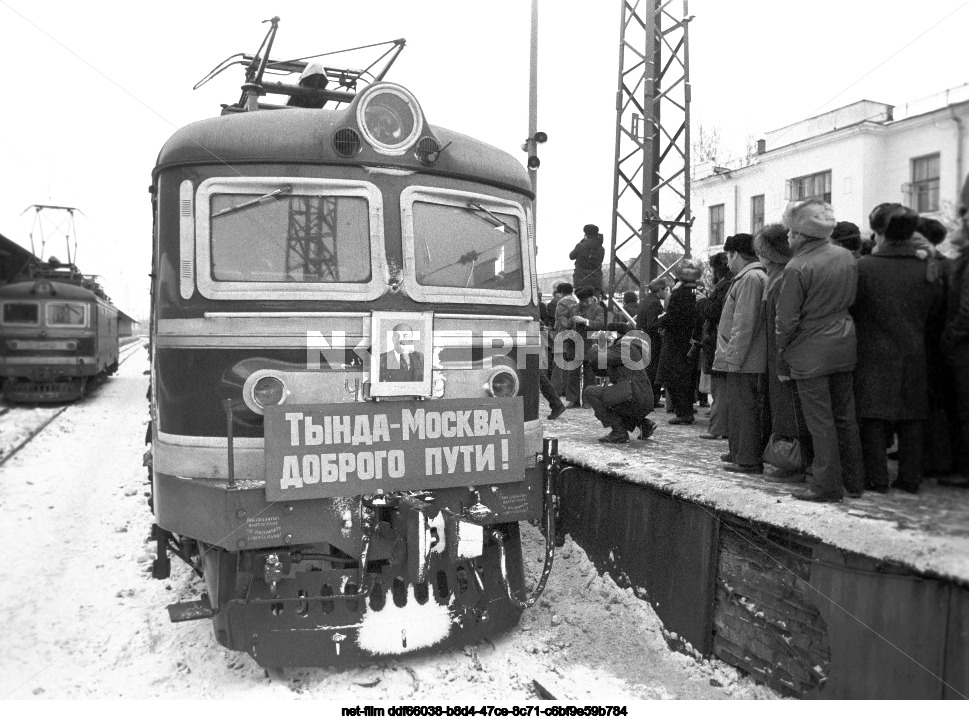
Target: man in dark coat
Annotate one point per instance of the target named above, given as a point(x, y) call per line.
point(588, 255)
point(624, 405)
point(650, 309)
point(891, 309)
point(676, 365)
point(710, 313)
point(816, 339)
point(955, 343)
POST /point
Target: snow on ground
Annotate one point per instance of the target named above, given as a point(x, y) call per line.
point(82, 618)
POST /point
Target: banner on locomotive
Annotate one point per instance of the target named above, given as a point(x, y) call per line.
point(322, 450)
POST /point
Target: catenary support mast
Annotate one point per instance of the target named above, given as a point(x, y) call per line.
point(651, 190)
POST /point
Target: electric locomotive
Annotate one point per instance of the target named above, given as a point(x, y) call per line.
point(344, 380)
point(58, 334)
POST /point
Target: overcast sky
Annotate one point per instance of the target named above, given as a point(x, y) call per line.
point(93, 89)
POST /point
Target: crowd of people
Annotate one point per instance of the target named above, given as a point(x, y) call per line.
point(821, 350)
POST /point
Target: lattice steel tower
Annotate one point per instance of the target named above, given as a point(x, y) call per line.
point(311, 240)
point(651, 193)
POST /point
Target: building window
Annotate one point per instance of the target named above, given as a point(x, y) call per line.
point(817, 185)
point(716, 224)
point(756, 213)
point(925, 183)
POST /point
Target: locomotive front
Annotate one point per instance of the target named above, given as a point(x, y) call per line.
point(345, 358)
point(54, 339)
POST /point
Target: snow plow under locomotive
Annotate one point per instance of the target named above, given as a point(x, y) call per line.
point(345, 358)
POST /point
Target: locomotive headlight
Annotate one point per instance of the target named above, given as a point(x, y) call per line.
point(502, 383)
point(390, 118)
point(72, 345)
point(268, 391)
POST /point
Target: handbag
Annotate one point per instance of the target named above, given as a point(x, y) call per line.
point(617, 393)
point(784, 453)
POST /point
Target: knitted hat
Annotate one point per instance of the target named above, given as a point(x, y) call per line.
point(688, 270)
point(742, 243)
point(813, 218)
point(847, 235)
point(771, 243)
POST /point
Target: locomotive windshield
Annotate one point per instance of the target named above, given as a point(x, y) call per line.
point(284, 238)
point(467, 247)
point(71, 314)
point(21, 313)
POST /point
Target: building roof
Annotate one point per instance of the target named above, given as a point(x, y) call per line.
point(13, 259)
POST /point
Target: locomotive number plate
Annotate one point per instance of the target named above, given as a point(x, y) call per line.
point(344, 449)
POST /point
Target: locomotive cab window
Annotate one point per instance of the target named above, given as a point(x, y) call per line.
point(21, 313)
point(65, 314)
point(289, 238)
point(465, 244)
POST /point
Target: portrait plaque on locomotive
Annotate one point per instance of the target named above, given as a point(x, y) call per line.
point(344, 380)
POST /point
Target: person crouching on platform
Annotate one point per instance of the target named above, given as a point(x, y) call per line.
point(624, 404)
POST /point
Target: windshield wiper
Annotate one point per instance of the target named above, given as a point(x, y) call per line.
point(267, 198)
point(499, 225)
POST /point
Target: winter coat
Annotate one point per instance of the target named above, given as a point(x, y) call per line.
point(956, 333)
point(710, 312)
point(677, 325)
point(892, 306)
point(814, 331)
point(563, 312)
point(650, 309)
point(741, 333)
point(591, 311)
point(588, 255)
point(786, 421)
point(642, 403)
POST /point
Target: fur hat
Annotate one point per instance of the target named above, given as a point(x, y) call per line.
point(584, 292)
point(591, 230)
point(847, 235)
point(742, 243)
point(932, 230)
point(772, 244)
point(813, 218)
point(894, 220)
point(688, 270)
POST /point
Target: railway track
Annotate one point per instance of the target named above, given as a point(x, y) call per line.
point(36, 419)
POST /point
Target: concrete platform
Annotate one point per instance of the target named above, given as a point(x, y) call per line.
point(927, 533)
point(868, 598)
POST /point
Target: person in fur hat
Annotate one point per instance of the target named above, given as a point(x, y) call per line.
point(816, 341)
point(676, 366)
point(741, 356)
point(892, 307)
point(783, 408)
